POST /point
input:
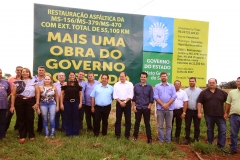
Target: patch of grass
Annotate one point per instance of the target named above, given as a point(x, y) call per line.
point(204, 148)
point(86, 146)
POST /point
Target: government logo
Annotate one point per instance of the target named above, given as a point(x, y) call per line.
point(158, 33)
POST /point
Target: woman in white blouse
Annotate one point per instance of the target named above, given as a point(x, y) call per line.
point(25, 98)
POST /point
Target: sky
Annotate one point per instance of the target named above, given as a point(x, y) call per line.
point(223, 17)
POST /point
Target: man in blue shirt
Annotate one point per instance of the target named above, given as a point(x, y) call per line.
point(82, 83)
point(89, 87)
point(141, 104)
point(165, 95)
point(5, 91)
point(102, 96)
point(10, 114)
point(39, 78)
point(190, 112)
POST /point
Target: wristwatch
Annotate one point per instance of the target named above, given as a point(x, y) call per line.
point(184, 113)
point(125, 101)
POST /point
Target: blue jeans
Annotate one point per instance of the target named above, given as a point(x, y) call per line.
point(48, 107)
point(3, 113)
point(164, 115)
point(221, 123)
point(71, 114)
point(234, 125)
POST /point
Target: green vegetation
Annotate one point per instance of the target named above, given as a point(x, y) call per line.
point(88, 147)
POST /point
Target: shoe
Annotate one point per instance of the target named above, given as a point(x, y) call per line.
point(52, 137)
point(232, 152)
point(149, 141)
point(223, 149)
point(22, 140)
point(32, 139)
point(187, 142)
point(46, 137)
point(117, 137)
point(127, 138)
point(178, 141)
point(134, 138)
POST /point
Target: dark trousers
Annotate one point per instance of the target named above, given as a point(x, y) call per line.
point(127, 114)
point(177, 116)
point(59, 114)
point(101, 114)
point(2, 122)
point(192, 115)
point(9, 117)
point(81, 116)
point(71, 113)
point(25, 114)
point(40, 123)
point(89, 115)
point(146, 116)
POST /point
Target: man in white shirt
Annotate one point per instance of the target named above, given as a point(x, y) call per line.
point(123, 94)
point(180, 102)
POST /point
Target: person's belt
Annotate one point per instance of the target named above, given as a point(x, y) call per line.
point(235, 114)
point(121, 101)
point(103, 106)
point(178, 108)
point(71, 100)
point(192, 109)
point(22, 97)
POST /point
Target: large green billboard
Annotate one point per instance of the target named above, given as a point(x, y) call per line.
point(70, 39)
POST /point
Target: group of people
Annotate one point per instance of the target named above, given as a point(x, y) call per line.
point(73, 98)
point(175, 104)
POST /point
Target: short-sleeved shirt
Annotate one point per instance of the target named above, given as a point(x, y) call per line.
point(83, 85)
point(4, 90)
point(103, 94)
point(213, 103)
point(47, 94)
point(88, 90)
point(192, 97)
point(181, 98)
point(164, 93)
point(39, 81)
point(71, 92)
point(143, 95)
point(234, 100)
point(123, 90)
point(11, 80)
point(25, 90)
